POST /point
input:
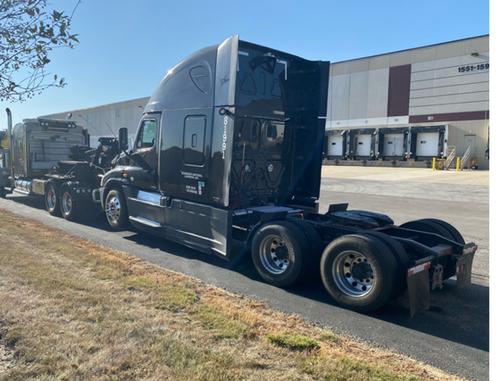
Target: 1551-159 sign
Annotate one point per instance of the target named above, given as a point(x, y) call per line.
point(477, 67)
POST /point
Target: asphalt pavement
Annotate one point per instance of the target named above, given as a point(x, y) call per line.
point(453, 335)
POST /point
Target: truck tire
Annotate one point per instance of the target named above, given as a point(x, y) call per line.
point(402, 258)
point(278, 253)
point(314, 248)
point(52, 199)
point(428, 226)
point(454, 234)
point(115, 209)
point(69, 203)
point(360, 272)
point(433, 225)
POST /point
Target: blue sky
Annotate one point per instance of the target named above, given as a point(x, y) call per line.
point(127, 46)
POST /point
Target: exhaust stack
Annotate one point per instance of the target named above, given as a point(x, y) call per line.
point(9, 136)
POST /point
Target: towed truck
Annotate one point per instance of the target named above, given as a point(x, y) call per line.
point(52, 158)
point(4, 160)
point(229, 150)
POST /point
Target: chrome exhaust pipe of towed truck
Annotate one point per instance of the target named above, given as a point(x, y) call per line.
point(9, 152)
point(9, 122)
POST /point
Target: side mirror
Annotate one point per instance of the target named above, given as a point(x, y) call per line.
point(123, 139)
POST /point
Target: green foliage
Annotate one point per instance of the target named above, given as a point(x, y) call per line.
point(29, 31)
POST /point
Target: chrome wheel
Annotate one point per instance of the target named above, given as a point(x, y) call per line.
point(353, 274)
point(274, 254)
point(113, 210)
point(51, 198)
point(66, 203)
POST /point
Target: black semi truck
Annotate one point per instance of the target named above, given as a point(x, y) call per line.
point(229, 150)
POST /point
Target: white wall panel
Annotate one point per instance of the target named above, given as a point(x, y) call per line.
point(450, 89)
point(450, 81)
point(448, 72)
point(444, 100)
point(439, 87)
point(340, 99)
point(450, 62)
point(444, 109)
point(392, 121)
point(378, 88)
point(358, 95)
point(329, 106)
point(108, 119)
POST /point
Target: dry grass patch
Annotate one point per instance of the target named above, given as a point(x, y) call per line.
point(73, 310)
point(222, 325)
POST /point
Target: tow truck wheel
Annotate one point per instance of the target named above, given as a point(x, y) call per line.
point(359, 271)
point(69, 203)
point(278, 250)
point(115, 209)
point(52, 199)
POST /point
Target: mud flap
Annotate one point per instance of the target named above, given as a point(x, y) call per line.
point(464, 265)
point(419, 293)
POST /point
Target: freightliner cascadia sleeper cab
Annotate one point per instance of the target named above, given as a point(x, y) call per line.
point(229, 149)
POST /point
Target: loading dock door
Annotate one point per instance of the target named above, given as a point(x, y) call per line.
point(335, 145)
point(363, 148)
point(427, 144)
point(393, 145)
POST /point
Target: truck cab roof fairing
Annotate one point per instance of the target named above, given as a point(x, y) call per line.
point(206, 78)
point(189, 84)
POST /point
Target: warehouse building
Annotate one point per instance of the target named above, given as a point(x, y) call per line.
point(106, 120)
point(399, 108)
point(412, 105)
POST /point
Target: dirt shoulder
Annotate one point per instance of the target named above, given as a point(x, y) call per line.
point(70, 309)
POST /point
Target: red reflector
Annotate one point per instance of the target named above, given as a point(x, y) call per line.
point(416, 269)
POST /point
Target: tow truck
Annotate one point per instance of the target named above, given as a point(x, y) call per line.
point(52, 158)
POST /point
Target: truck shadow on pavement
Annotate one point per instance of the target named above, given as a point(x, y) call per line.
point(461, 316)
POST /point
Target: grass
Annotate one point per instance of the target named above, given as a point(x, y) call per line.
point(168, 297)
point(294, 342)
point(346, 369)
point(73, 310)
point(222, 325)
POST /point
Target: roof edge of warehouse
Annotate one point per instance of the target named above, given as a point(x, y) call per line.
point(409, 49)
point(96, 107)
